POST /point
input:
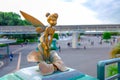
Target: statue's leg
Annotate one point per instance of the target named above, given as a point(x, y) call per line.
point(45, 49)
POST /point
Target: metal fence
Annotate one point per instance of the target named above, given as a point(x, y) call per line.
point(101, 69)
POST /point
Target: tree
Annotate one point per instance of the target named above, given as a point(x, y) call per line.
point(11, 19)
point(106, 35)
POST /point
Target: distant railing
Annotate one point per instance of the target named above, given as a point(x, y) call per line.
point(101, 69)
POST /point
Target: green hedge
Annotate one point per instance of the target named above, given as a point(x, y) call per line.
point(29, 40)
point(3, 45)
point(19, 41)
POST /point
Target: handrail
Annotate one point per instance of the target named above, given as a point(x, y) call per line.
point(101, 69)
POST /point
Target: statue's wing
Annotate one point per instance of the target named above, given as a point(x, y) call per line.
point(40, 27)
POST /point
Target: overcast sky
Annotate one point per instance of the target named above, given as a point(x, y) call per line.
point(71, 12)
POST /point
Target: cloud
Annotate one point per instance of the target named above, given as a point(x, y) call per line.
point(67, 0)
point(76, 1)
point(108, 11)
point(71, 12)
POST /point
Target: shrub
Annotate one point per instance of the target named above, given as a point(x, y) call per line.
point(106, 35)
point(112, 70)
point(3, 45)
point(56, 36)
point(115, 51)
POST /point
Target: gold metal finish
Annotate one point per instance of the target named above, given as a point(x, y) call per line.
point(48, 60)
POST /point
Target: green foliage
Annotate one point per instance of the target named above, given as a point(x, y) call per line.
point(68, 34)
point(106, 35)
point(111, 70)
point(19, 41)
point(23, 41)
point(56, 36)
point(115, 51)
point(82, 33)
point(114, 33)
point(11, 19)
point(21, 38)
point(3, 45)
point(79, 37)
point(117, 45)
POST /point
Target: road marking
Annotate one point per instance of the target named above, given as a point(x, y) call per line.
point(19, 61)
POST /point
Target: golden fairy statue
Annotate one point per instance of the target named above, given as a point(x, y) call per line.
point(48, 60)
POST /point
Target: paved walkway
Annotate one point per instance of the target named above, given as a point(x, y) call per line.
point(87, 41)
point(83, 60)
point(16, 48)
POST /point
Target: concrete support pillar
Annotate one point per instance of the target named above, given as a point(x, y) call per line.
point(8, 50)
point(74, 40)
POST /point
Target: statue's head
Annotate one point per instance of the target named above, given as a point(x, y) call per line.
point(52, 18)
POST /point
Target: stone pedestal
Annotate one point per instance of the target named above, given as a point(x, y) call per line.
point(32, 73)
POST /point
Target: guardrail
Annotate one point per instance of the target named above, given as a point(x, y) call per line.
point(101, 69)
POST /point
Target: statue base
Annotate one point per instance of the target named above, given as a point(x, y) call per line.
point(32, 73)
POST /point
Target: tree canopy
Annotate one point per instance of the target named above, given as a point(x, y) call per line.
point(11, 19)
